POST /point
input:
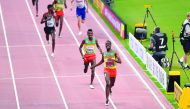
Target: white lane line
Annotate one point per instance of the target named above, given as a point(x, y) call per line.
point(46, 53)
point(127, 60)
point(66, 76)
point(33, 45)
point(71, 31)
point(10, 61)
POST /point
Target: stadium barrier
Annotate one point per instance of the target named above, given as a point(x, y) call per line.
point(182, 96)
point(112, 18)
point(153, 67)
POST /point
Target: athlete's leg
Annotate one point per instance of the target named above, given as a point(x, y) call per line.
point(107, 79)
point(112, 82)
point(92, 71)
point(47, 37)
point(53, 40)
point(79, 23)
point(57, 21)
point(61, 24)
point(33, 2)
point(86, 64)
point(36, 8)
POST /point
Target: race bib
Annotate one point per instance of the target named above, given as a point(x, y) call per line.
point(89, 50)
point(50, 23)
point(109, 63)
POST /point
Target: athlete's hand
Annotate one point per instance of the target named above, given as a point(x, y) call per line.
point(87, 11)
point(65, 5)
point(92, 67)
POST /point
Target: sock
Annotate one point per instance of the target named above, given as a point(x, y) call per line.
point(181, 60)
point(185, 65)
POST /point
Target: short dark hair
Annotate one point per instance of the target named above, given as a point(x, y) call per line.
point(49, 6)
point(89, 30)
point(108, 41)
point(157, 29)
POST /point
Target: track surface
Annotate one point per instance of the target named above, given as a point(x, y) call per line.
point(31, 79)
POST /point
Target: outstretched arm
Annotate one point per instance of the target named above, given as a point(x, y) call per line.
point(80, 48)
point(102, 61)
point(98, 46)
point(65, 3)
point(118, 59)
point(43, 19)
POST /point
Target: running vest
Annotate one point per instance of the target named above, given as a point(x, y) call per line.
point(89, 46)
point(107, 62)
point(50, 23)
point(80, 3)
point(60, 1)
point(58, 7)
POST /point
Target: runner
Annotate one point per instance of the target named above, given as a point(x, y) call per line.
point(35, 3)
point(58, 7)
point(81, 10)
point(49, 29)
point(89, 55)
point(109, 58)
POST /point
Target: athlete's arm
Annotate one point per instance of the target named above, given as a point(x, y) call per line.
point(102, 61)
point(65, 3)
point(87, 6)
point(98, 46)
point(118, 59)
point(43, 19)
point(72, 1)
point(80, 48)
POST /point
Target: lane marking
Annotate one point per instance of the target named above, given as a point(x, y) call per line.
point(47, 45)
point(10, 60)
point(66, 76)
point(127, 60)
point(71, 31)
point(46, 53)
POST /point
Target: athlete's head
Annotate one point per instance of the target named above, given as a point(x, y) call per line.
point(108, 45)
point(55, 1)
point(50, 8)
point(188, 16)
point(157, 29)
point(90, 33)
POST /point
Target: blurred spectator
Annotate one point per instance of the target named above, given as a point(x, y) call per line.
point(185, 41)
point(108, 2)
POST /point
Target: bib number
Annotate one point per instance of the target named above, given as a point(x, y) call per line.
point(90, 50)
point(50, 23)
point(109, 63)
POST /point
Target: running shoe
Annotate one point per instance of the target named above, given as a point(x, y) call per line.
point(187, 67)
point(91, 86)
point(80, 33)
point(107, 103)
point(180, 63)
point(52, 54)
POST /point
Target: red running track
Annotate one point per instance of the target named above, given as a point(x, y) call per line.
point(43, 82)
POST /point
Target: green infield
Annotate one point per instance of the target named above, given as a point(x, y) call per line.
point(169, 15)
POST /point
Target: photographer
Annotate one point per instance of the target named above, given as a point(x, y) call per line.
point(108, 2)
point(185, 41)
point(158, 45)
